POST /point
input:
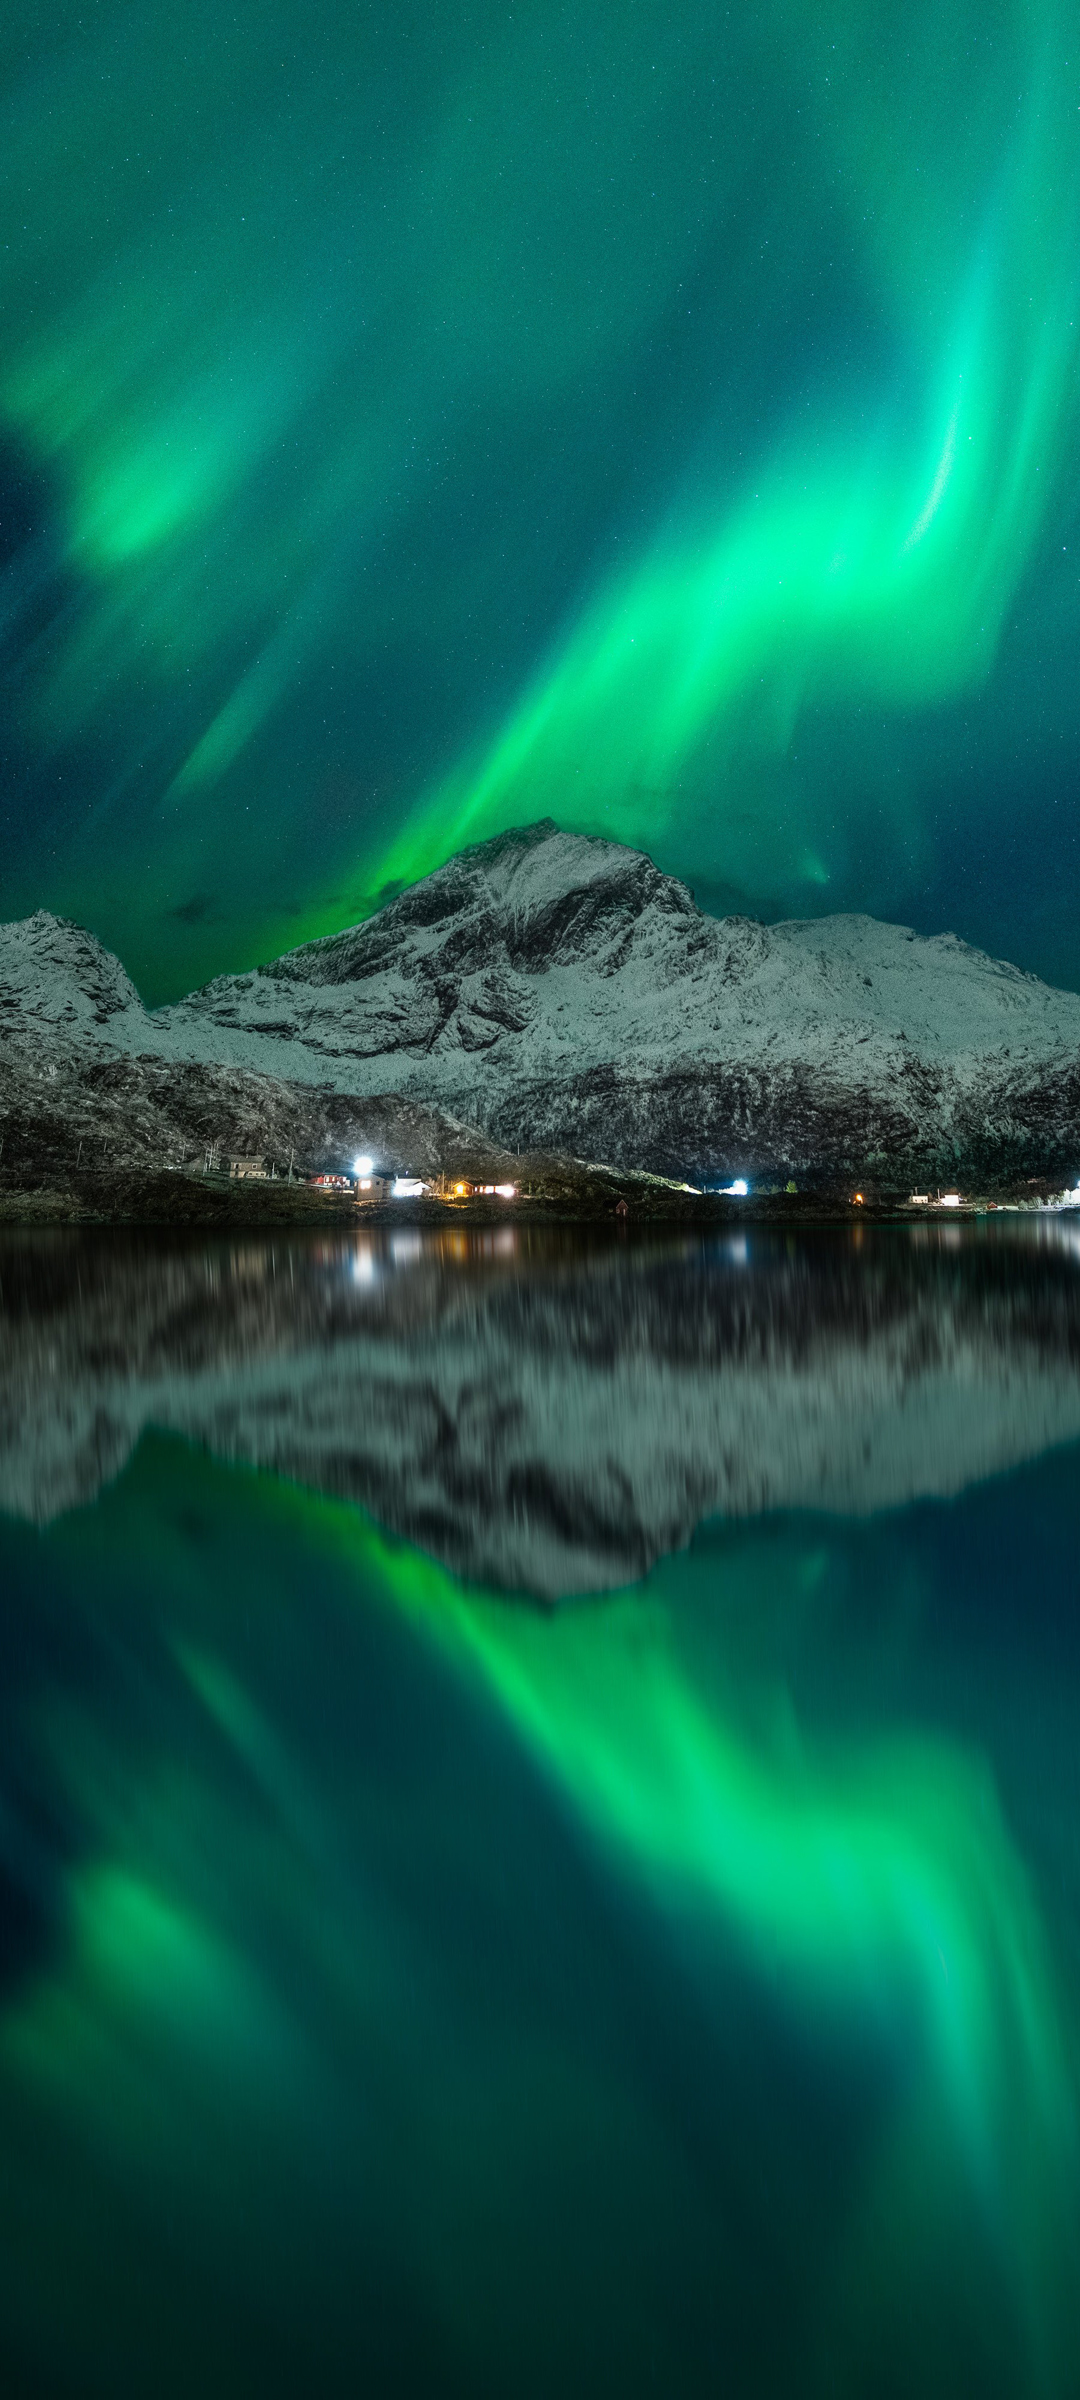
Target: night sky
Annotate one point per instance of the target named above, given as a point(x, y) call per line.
point(418, 418)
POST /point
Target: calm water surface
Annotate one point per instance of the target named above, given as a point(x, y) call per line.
point(540, 1815)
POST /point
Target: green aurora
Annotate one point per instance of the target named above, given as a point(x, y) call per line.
point(416, 420)
point(273, 2040)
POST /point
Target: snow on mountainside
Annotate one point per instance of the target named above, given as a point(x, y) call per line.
point(566, 952)
point(53, 975)
point(563, 993)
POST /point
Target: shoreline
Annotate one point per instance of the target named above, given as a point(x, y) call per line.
point(593, 1197)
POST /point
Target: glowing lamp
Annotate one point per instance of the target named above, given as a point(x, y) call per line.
point(363, 1166)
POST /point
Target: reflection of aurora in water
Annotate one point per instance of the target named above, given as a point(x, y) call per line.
point(739, 2032)
point(874, 1885)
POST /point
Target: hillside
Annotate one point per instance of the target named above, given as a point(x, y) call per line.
point(562, 994)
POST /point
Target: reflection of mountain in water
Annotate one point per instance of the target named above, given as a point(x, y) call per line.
point(542, 1414)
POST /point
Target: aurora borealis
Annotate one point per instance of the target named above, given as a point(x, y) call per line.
point(415, 421)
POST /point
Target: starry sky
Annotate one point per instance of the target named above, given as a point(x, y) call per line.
point(420, 417)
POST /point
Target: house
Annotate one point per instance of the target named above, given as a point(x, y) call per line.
point(457, 1187)
point(248, 1167)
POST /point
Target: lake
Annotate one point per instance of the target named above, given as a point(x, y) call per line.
point(540, 1813)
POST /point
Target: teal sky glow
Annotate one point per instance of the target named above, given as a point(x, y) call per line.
point(419, 420)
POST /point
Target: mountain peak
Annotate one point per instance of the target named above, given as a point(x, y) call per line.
point(559, 991)
point(541, 865)
point(58, 972)
point(528, 866)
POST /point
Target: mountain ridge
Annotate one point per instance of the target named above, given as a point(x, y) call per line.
point(560, 992)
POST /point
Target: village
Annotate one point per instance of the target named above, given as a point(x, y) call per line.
point(370, 1186)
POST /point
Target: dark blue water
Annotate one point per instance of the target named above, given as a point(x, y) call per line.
point(540, 1814)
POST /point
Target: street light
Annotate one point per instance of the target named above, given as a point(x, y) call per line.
point(363, 1166)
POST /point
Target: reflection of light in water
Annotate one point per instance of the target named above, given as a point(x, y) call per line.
point(249, 1263)
point(500, 1242)
point(738, 1249)
point(363, 1262)
point(875, 1887)
point(405, 1248)
point(1054, 1230)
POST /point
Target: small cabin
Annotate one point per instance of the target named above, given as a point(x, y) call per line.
point(258, 1168)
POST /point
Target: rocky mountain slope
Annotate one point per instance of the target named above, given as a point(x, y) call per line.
point(540, 1415)
point(563, 994)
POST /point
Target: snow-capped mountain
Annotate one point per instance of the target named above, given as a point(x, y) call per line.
point(562, 993)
